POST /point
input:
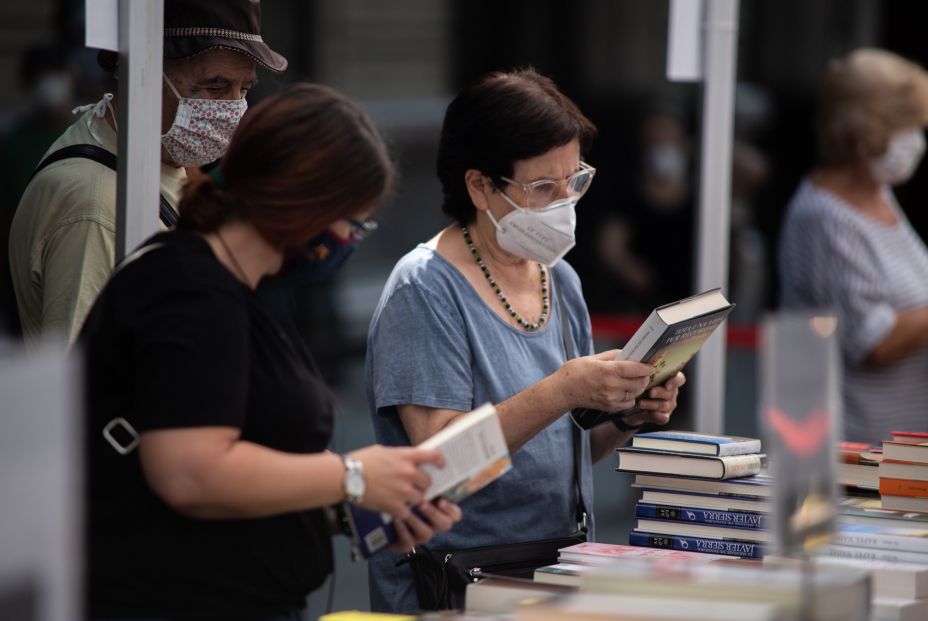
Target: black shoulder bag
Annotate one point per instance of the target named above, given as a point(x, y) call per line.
point(442, 575)
point(92, 152)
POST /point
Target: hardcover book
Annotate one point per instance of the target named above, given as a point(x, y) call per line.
point(906, 451)
point(476, 454)
point(703, 545)
point(667, 340)
point(688, 464)
point(693, 515)
point(757, 486)
point(910, 437)
point(686, 529)
point(704, 501)
point(691, 442)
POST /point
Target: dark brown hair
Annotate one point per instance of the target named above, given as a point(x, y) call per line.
point(299, 161)
point(498, 120)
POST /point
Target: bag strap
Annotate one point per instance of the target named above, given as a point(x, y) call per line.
point(97, 154)
point(571, 351)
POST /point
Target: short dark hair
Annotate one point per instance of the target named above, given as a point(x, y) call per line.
point(300, 160)
point(502, 118)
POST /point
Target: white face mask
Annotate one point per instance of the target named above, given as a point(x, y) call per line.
point(903, 154)
point(202, 128)
point(540, 235)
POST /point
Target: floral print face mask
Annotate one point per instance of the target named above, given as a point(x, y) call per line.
point(202, 128)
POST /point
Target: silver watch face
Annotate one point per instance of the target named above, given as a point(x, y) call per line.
point(354, 483)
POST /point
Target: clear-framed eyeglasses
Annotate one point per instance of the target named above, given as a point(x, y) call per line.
point(362, 228)
point(539, 194)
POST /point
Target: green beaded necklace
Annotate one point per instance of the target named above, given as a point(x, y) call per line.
point(545, 304)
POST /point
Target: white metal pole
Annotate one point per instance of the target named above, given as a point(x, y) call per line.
point(721, 49)
point(139, 119)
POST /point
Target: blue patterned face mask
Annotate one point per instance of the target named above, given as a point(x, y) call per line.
point(322, 257)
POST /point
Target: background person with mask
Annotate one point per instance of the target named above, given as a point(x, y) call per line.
point(848, 247)
point(474, 316)
point(62, 241)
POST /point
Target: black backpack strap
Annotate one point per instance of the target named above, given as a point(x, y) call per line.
point(571, 351)
point(100, 155)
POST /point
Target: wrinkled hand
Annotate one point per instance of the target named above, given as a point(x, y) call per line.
point(394, 481)
point(659, 403)
point(601, 382)
point(436, 517)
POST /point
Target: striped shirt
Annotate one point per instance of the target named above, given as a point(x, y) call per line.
point(833, 256)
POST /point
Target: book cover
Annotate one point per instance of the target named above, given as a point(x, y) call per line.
point(701, 443)
point(592, 553)
point(694, 515)
point(568, 574)
point(705, 501)
point(688, 464)
point(702, 545)
point(857, 510)
point(882, 537)
point(757, 486)
point(687, 529)
point(903, 487)
point(667, 340)
point(476, 454)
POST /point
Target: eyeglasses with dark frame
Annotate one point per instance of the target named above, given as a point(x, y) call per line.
point(362, 228)
point(539, 194)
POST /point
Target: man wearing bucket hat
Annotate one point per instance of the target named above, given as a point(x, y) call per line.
point(63, 236)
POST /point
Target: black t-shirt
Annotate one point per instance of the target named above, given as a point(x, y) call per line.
point(175, 341)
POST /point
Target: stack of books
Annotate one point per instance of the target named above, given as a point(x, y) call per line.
point(576, 561)
point(904, 472)
point(701, 493)
point(858, 470)
point(638, 589)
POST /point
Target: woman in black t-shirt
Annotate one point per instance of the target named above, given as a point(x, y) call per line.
point(219, 512)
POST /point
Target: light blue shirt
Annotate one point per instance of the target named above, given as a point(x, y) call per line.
point(434, 342)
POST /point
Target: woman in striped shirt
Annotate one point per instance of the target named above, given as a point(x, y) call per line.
point(847, 246)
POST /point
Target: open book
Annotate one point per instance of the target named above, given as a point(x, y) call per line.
point(668, 339)
point(476, 454)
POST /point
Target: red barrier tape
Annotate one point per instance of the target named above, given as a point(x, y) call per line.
point(620, 328)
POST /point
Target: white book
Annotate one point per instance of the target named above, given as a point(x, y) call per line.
point(898, 609)
point(685, 529)
point(689, 465)
point(875, 554)
point(907, 580)
point(704, 501)
point(911, 471)
point(882, 537)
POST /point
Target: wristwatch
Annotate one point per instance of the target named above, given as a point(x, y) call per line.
point(353, 483)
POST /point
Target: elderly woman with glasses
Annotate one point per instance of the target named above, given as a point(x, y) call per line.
point(476, 315)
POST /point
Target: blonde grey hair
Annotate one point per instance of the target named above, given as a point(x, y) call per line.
point(866, 97)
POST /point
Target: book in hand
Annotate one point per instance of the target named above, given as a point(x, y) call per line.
point(476, 454)
point(688, 464)
point(691, 442)
point(667, 340)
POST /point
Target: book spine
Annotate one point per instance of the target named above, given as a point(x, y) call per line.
point(903, 487)
point(737, 519)
point(873, 554)
point(880, 541)
point(740, 466)
point(703, 545)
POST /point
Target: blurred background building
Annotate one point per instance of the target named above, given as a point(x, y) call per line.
point(403, 60)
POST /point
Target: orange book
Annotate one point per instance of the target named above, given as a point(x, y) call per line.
point(903, 487)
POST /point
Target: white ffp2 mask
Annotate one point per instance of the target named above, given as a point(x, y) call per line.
point(903, 154)
point(540, 235)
